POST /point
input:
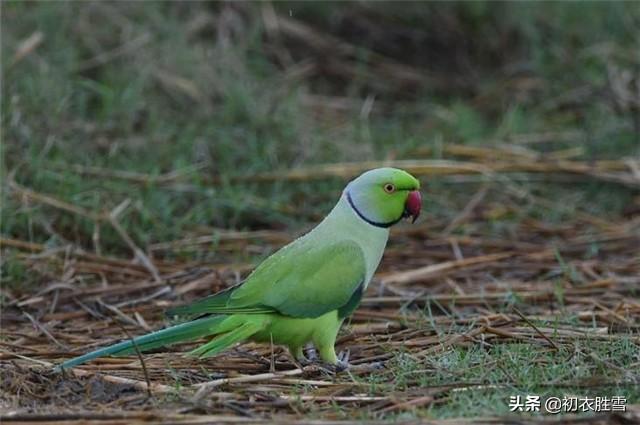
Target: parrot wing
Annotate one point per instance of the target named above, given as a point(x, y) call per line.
point(301, 280)
point(213, 304)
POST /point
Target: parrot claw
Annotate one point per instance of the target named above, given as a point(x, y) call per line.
point(341, 366)
point(310, 353)
point(334, 369)
point(343, 356)
point(317, 365)
point(311, 359)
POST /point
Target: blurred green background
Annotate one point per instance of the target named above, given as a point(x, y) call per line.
point(216, 91)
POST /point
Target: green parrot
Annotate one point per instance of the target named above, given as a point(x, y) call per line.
point(302, 293)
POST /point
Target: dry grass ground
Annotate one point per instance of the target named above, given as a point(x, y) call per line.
point(447, 319)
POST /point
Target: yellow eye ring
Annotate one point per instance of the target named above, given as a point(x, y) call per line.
point(389, 188)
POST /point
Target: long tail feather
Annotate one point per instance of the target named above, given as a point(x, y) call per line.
point(179, 333)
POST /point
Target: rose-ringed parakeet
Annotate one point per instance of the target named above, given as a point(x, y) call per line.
point(303, 292)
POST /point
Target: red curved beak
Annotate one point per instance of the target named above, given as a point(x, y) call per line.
point(413, 205)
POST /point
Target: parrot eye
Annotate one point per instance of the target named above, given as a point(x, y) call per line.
point(389, 188)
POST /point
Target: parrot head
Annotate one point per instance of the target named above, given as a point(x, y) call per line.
point(384, 196)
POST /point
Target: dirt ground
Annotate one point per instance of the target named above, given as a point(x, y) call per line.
point(435, 293)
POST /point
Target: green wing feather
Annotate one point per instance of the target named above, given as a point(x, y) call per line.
point(300, 280)
point(213, 304)
point(305, 284)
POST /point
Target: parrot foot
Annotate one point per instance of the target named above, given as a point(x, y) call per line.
point(343, 356)
point(343, 361)
point(333, 368)
point(310, 353)
point(302, 362)
point(340, 365)
point(312, 359)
